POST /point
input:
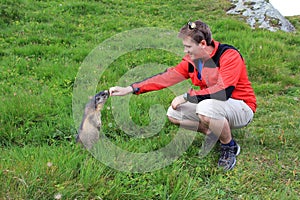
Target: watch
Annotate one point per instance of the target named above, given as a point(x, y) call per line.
point(185, 96)
point(135, 90)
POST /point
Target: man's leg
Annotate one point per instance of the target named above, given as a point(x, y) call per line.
point(190, 125)
point(216, 115)
point(229, 148)
point(220, 127)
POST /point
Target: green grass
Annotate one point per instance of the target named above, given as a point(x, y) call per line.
point(42, 46)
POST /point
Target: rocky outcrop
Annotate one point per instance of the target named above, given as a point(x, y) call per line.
point(261, 14)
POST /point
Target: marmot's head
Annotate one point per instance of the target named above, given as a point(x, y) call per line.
point(100, 99)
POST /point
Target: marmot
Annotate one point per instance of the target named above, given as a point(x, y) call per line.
point(88, 133)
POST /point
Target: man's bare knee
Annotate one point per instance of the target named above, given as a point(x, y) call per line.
point(204, 119)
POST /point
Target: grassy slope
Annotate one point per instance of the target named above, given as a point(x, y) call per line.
point(42, 47)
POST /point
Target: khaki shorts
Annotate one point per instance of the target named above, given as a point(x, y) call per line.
point(237, 112)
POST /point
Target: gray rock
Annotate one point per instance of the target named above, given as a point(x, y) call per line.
point(261, 14)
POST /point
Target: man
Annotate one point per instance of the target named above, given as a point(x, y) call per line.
point(226, 99)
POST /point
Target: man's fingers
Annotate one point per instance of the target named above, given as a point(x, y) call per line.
point(174, 104)
point(112, 90)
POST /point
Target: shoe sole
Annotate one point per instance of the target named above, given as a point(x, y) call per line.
point(238, 150)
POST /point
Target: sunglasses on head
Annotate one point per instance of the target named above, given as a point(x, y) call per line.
point(192, 25)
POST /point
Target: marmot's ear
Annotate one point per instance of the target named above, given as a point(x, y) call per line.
point(91, 97)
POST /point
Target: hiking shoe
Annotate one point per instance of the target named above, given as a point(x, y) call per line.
point(228, 154)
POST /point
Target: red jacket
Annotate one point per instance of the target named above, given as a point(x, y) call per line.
point(222, 77)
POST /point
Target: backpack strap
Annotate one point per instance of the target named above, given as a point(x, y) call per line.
point(221, 49)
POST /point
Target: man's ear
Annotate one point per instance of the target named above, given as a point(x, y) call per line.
point(203, 43)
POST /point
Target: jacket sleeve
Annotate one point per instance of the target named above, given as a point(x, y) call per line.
point(162, 80)
point(220, 81)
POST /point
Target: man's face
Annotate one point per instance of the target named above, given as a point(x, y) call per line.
point(193, 49)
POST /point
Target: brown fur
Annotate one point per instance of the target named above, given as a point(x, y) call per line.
point(88, 133)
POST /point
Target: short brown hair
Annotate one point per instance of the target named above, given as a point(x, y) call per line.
point(197, 30)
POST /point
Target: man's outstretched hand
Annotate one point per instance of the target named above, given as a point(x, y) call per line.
point(120, 91)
